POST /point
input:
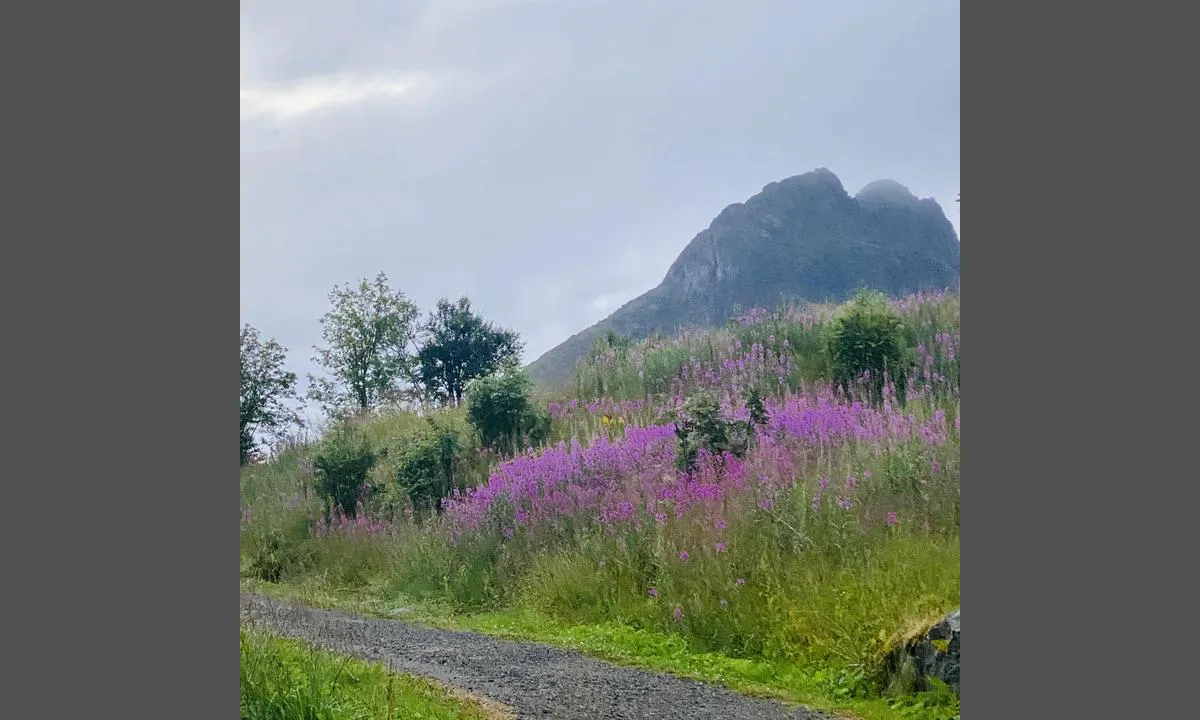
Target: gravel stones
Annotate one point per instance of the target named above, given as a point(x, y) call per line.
point(534, 681)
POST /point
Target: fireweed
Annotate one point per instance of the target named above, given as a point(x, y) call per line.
point(769, 525)
point(763, 349)
point(631, 481)
point(837, 526)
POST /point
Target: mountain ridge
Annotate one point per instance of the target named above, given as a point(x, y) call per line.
point(800, 239)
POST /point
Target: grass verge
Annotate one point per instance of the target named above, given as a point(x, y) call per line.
point(284, 679)
point(641, 648)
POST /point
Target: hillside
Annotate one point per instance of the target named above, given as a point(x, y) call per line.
point(802, 238)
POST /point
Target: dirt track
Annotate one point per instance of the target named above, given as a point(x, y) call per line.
point(531, 680)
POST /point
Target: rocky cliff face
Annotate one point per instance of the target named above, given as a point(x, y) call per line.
point(803, 238)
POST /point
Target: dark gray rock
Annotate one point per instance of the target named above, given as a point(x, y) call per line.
point(933, 654)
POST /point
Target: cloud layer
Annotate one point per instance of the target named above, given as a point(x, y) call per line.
point(291, 103)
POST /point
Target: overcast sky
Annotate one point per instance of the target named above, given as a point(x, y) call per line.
point(551, 158)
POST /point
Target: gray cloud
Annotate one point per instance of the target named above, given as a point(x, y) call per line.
point(550, 159)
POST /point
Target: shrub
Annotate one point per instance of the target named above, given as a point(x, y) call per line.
point(277, 550)
point(425, 465)
point(500, 409)
point(702, 426)
point(341, 463)
point(868, 337)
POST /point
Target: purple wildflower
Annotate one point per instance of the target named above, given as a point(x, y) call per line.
point(678, 613)
point(653, 593)
point(824, 482)
point(740, 581)
point(892, 519)
point(843, 502)
point(720, 547)
point(683, 555)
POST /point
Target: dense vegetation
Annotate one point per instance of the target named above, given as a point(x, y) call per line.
point(782, 492)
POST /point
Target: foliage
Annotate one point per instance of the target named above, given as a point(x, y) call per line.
point(276, 551)
point(500, 409)
point(425, 464)
point(341, 463)
point(788, 564)
point(702, 426)
point(368, 334)
point(266, 389)
point(284, 679)
point(867, 337)
point(459, 346)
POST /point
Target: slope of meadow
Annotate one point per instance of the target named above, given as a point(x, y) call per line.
point(786, 566)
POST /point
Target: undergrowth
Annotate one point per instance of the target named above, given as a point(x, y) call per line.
point(779, 559)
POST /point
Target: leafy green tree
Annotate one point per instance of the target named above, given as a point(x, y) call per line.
point(266, 390)
point(458, 347)
point(499, 408)
point(368, 334)
point(867, 336)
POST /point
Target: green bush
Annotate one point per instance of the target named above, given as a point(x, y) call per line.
point(275, 550)
point(702, 426)
point(425, 465)
point(500, 409)
point(341, 464)
point(868, 336)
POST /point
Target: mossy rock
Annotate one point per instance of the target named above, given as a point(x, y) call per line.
point(923, 651)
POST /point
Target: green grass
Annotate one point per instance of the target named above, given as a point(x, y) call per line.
point(805, 626)
point(283, 679)
point(641, 648)
point(800, 605)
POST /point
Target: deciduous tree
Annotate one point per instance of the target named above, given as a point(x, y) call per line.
point(369, 333)
point(459, 346)
point(266, 390)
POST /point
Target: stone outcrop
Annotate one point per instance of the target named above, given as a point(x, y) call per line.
point(933, 653)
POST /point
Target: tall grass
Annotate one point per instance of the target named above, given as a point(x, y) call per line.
point(284, 679)
point(834, 531)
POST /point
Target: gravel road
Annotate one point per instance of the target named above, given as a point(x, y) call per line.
point(531, 680)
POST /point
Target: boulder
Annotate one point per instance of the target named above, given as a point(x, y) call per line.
point(929, 653)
